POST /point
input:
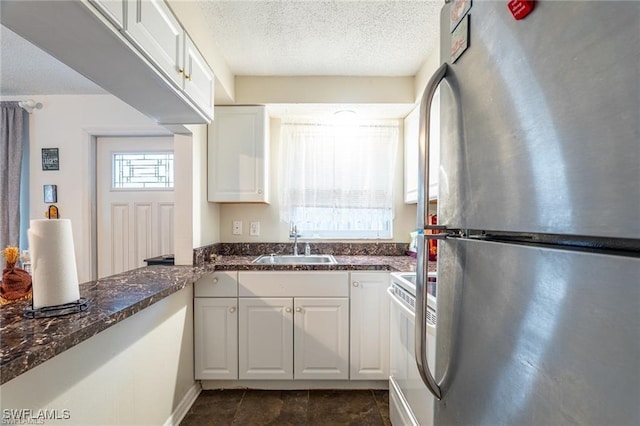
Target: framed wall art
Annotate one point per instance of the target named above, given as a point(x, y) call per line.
point(50, 159)
point(50, 193)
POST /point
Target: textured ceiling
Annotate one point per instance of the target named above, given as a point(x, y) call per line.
point(337, 38)
point(27, 70)
point(271, 38)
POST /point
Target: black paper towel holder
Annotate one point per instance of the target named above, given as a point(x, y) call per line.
point(57, 310)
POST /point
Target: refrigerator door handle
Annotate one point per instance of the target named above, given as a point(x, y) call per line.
point(421, 318)
point(423, 211)
point(424, 143)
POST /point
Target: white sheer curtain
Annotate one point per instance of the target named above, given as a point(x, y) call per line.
point(336, 180)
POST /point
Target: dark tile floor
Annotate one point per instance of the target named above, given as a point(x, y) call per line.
point(296, 407)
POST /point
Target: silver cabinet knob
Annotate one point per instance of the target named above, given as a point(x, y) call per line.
point(215, 280)
point(287, 309)
point(298, 309)
point(356, 284)
point(232, 309)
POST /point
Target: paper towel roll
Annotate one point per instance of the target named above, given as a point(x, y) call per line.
point(53, 262)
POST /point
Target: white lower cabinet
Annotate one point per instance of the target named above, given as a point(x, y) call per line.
point(369, 326)
point(216, 338)
point(265, 338)
point(294, 338)
point(321, 338)
point(215, 326)
point(294, 325)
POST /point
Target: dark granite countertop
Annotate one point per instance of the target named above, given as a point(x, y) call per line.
point(26, 343)
point(344, 263)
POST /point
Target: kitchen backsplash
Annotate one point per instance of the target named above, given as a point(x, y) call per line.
point(203, 254)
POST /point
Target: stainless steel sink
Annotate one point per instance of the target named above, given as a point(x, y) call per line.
point(288, 259)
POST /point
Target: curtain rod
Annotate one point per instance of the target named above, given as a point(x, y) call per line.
point(29, 105)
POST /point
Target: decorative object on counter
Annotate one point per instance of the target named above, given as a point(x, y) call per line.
point(52, 213)
point(55, 276)
point(50, 159)
point(165, 259)
point(433, 244)
point(50, 193)
point(413, 246)
point(26, 261)
point(16, 282)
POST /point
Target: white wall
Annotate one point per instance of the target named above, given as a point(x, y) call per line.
point(140, 371)
point(206, 215)
point(196, 220)
point(70, 122)
point(272, 230)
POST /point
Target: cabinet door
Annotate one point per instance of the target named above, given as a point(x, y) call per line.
point(216, 338)
point(411, 135)
point(152, 26)
point(369, 326)
point(238, 155)
point(113, 10)
point(411, 152)
point(198, 77)
point(321, 338)
point(265, 338)
point(217, 284)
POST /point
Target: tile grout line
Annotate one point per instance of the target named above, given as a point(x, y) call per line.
point(237, 412)
point(375, 401)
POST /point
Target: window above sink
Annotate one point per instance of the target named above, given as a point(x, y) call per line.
point(338, 182)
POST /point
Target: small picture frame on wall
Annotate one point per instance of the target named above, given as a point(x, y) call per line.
point(50, 159)
point(50, 193)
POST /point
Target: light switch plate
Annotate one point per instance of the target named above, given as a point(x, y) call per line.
point(237, 227)
point(254, 228)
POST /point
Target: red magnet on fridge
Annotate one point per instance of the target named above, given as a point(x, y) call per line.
point(520, 8)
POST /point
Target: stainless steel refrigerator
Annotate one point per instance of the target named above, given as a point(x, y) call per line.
point(539, 216)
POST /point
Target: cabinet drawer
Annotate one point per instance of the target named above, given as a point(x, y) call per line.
point(218, 284)
point(293, 284)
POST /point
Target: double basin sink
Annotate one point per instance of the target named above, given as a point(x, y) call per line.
point(289, 259)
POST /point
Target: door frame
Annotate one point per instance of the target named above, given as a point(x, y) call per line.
point(91, 135)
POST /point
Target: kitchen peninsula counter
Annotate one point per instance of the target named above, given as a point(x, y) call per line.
point(26, 343)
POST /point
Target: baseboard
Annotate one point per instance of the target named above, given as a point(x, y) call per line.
point(183, 407)
point(294, 384)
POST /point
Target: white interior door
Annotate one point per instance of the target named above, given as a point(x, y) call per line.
point(135, 201)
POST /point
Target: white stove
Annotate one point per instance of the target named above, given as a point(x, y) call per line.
point(410, 402)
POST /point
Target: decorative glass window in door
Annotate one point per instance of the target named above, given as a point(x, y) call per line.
point(142, 170)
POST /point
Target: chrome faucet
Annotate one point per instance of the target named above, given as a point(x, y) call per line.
point(293, 233)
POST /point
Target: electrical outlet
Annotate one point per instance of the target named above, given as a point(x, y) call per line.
point(254, 228)
point(237, 227)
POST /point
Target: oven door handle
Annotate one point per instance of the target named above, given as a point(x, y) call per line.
point(398, 302)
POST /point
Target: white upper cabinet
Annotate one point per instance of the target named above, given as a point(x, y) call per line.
point(158, 34)
point(411, 130)
point(411, 152)
point(198, 78)
point(113, 10)
point(238, 155)
point(154, 29)
point(134, 49)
